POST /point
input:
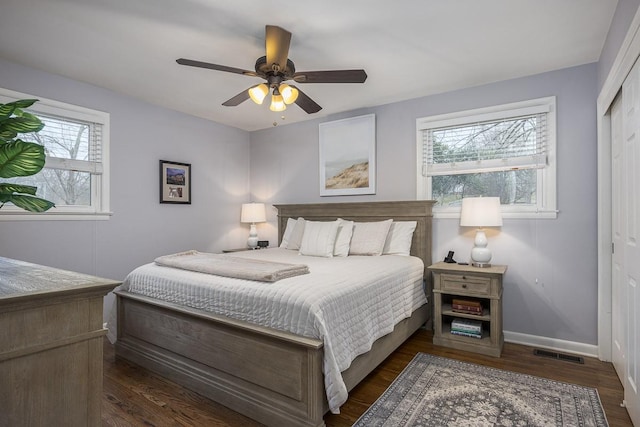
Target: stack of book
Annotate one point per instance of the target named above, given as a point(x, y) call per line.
point(467, 328)
point(466, 306)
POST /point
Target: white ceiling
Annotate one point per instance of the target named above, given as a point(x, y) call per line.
point(409, 48)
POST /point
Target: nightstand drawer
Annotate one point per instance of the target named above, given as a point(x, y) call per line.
point(465, 283)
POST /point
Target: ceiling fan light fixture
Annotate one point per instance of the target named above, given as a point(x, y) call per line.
point(277, 103)
point(275, 67)
point(258, 93)
point(289, 93)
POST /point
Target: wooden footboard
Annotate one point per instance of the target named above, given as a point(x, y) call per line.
point(271, 376)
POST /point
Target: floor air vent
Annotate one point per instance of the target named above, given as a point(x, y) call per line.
point(559, 356)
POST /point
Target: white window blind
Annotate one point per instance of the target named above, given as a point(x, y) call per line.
point(83, 150)
point(513, 143)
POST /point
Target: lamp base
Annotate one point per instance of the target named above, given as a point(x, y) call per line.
point(480, 254)
point(252, 241)
point(481, 264)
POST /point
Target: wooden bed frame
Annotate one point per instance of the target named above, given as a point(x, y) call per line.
point(272, 376)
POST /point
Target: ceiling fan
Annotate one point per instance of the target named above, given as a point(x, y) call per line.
point(276, 68)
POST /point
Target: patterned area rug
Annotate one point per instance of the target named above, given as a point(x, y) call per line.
point(439, 392)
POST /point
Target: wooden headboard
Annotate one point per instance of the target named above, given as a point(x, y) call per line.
point(412, 210)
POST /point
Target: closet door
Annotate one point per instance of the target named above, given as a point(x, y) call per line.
point(630, 192)
point(618, 285)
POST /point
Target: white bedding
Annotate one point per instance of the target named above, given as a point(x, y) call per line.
point(347, 302)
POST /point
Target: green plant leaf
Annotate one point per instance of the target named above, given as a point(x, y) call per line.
point(7, 135)
point(22, 124)
point(28, 203)
point(31, 117)
point(8, 188)
point(6, 110)
point(19, 158)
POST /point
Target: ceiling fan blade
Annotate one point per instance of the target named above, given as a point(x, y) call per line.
point(335, 76)
point(276, 43)
point(199, 64)
point(306, 103)
point(238, 99)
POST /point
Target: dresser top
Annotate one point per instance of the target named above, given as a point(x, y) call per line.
point(19, 279)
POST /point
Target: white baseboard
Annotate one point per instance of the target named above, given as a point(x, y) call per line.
point(551, 344)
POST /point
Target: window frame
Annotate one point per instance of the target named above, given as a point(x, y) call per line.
point(546, 191)
point(100, 183)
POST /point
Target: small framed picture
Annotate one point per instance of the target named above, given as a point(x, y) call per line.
point(175, 182)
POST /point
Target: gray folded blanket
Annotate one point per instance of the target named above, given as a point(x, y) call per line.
point(229, 266)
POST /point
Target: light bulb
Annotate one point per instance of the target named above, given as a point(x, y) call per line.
point(277, 103)
point(289, 93)
point(258, 93)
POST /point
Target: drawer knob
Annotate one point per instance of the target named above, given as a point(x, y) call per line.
point(464, 277)
point(464, 285)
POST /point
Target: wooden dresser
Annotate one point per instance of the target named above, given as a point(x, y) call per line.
point(51, 334)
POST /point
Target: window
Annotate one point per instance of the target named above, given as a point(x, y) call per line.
point(505, 151)
point(75, 176)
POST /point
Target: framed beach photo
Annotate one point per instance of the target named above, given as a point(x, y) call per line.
point(175, 182)
point(348, 156)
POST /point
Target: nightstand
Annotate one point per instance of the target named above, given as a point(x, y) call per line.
point(225, 251)
point(477, 285)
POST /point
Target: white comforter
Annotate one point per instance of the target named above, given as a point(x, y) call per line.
point(348, 303)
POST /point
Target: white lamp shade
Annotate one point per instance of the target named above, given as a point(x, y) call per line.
point(253, 212)
point(481, 212)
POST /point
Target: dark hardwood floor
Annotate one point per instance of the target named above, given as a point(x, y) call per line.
point(136, 397)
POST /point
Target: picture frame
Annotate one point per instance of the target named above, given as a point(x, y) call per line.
point(175, 182)
point(347, 152)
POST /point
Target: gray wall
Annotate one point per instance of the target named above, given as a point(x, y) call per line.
point(625, 12)
point(140, 228)
point(551, 284)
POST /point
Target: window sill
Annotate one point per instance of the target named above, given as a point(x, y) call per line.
point(505, 215)
point(57, 216)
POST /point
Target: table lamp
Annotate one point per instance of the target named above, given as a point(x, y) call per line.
point(252, 213)
point(480, 212)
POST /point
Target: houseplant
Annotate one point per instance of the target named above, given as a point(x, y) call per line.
point(20, 158)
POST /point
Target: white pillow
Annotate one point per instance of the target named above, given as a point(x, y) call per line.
point(369, 237)
point(296, 235)
point(343, 239)
point(319, 238)
point(287, 232)
point(399, 238)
